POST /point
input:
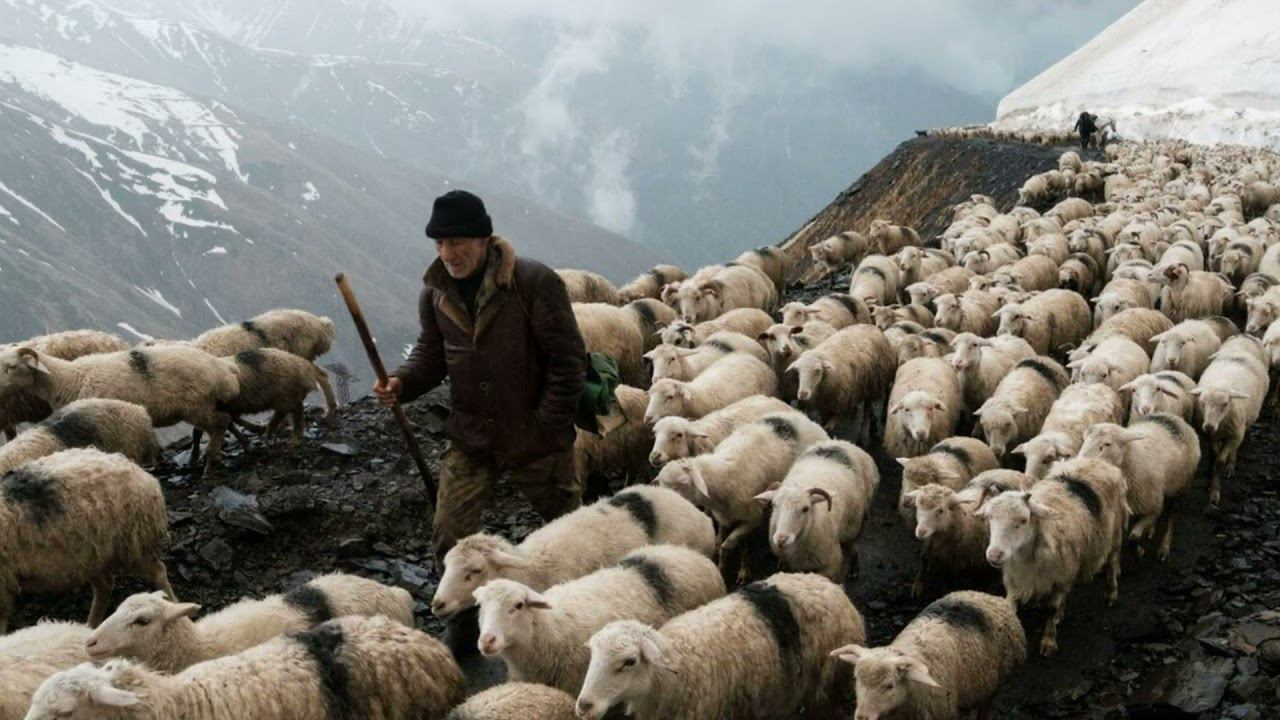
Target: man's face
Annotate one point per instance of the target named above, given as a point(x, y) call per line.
point(462, 256)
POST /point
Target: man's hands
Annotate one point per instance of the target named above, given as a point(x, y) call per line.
point(387, 393)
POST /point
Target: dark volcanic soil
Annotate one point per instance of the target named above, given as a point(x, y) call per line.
point(1197, 637)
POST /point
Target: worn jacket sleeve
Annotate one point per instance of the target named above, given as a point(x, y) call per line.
point(425, 367)
point(560, 342)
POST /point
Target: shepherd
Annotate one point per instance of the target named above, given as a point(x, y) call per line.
point(1086, 127)
point(502, 329)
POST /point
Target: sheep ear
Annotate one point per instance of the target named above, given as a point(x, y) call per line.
point(896, 408)
point(1129, 386)
point(698, 483)
point(1197, 391)
point(1159, 336)
point(1237, 395)
point(32, 359)
point(180, 610)
point(1021, 449)
point(903, 461)
point(766, 497)
point(113, 697)
point(1129, 436)
point(916, 671)
point(1039, 509)
point(849, 653)
point(534, 601)
point(652, 653)
point(502, 558)
point(909, 499)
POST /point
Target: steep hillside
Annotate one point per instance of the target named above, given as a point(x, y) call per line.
point(142, 209)
point(1200, 70)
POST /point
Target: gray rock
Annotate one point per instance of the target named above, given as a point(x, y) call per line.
point(217, 553)
point(240, 510)
point(342, 449)
point(1200, 684)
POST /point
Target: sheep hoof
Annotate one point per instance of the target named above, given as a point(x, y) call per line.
point(1048, 647)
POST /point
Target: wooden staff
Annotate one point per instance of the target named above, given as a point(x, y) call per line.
point(362, 327)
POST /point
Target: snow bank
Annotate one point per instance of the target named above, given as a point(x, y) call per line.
point(1202, 70)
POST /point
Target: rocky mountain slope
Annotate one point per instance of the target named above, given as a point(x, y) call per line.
point(139, 208)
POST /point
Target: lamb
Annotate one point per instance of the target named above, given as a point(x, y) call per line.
point(737, 286)
point(612, 331)
point(1229, 399)
point(75, 517)
point(17, 406)
point(1189, 294)
point(769, 643)
point(972, 312)
point(990, 259)
point(1168, 391)
point(847, 375)
point(772, 262)
point(918, 264)
point(953, 657)
point(1140, 325)
point(1079, 407)
point(151, 629)
point(1064, 530)
point(526, 701)
point(1114, 362)
point(876, 281)
point(838, 309)
point(278, 381)
point(1186, 348)
point(733, 378)
point(951, 463)
point(295, 331)
point(980, 363)
point(174, 384)
point(803, 535)
point(30, 655)
point(111, 426)
point(924, 407)
point(833, 254)
point(1020, 403)
point(726, 481)
point(748, 321)
point(1051, 321)
point(621, 450)
point(585, 286)
point(386, 671)
point(888, 239)
point(1033, 272)
point(573, 545)
point(1158, 455)
point(541, 637)
point(686, 364)
point(677, 437)
point(650, 317)
point(1079, 273)
point(649, 284)
point(953, 540)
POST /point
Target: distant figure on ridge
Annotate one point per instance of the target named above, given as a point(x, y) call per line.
point(502, 329)
point(1106, 130)
point(1085, 125)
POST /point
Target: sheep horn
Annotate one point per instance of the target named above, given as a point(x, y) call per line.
point(821, 495)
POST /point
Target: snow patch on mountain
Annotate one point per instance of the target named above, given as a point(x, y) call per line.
point(311, 194)
point(158, 298)
point(1203, 70)
point(30, 206)
point(134, 332)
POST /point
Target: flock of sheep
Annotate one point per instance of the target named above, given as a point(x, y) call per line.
point(1098, 340)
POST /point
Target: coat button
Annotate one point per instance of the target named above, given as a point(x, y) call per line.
point(484, 386)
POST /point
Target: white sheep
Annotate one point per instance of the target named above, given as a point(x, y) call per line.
point(736, 286)
point(612, 330)
point(762, 651)
point(1115, 362)
point(1229, 399)
point(585, 286)
point(772, 262)
point(175, 384)
point(678, 437)
point(888, 239)
point(1033, 272)
point(847, 375)
point(953, 540)
point(1064, 530)
point(366, 667)
point(726, 480)
point(785, 343)
point(733, 378)
point(1158, 455)
point(650, 317)
point(573, 545)
point(80, 517)
point(748, 321)
point(971, 312)
point(1262, 312)
point(649, 284)
point(541, 636)
point(991, 258)
point(18, 406)
point(951, 658)
point(1049, 322)
point(1186, 348)
point(876, 281)
point(112, 426)
point(886, 315)
point(1016, 410)
point(980, 364)
point(1079, 273)
point(924, 407)
point(512, 700)
point(32, 654)
point(1168, 391)
point(276, 381)
point(1189, 294)
point(1053, 246)
point(834, 253)
point(1140, 325)
point(805, 535)
point(951, 463)
point(151, 629)
point(838, 309)
point(1079, 407)
point(686, 364)
point(918, 264)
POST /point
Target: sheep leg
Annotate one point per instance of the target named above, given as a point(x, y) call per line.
point(196, 435)
point(159, 575)
point(1166, 541)
point(276, 421)
point(217, 434)
point(1049, 641)
point(1113, 575)
point(299, 422)
point(240, 436)
point(102, 585)
point(330, 401)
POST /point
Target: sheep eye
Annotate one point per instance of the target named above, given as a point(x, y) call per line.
point(142, 622)
point(628, 663)
point(804, 510)
point(520, 605)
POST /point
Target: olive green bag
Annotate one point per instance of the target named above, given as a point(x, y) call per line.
point(596, 402)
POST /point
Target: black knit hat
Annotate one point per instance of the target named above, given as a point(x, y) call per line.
point(459, 213)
